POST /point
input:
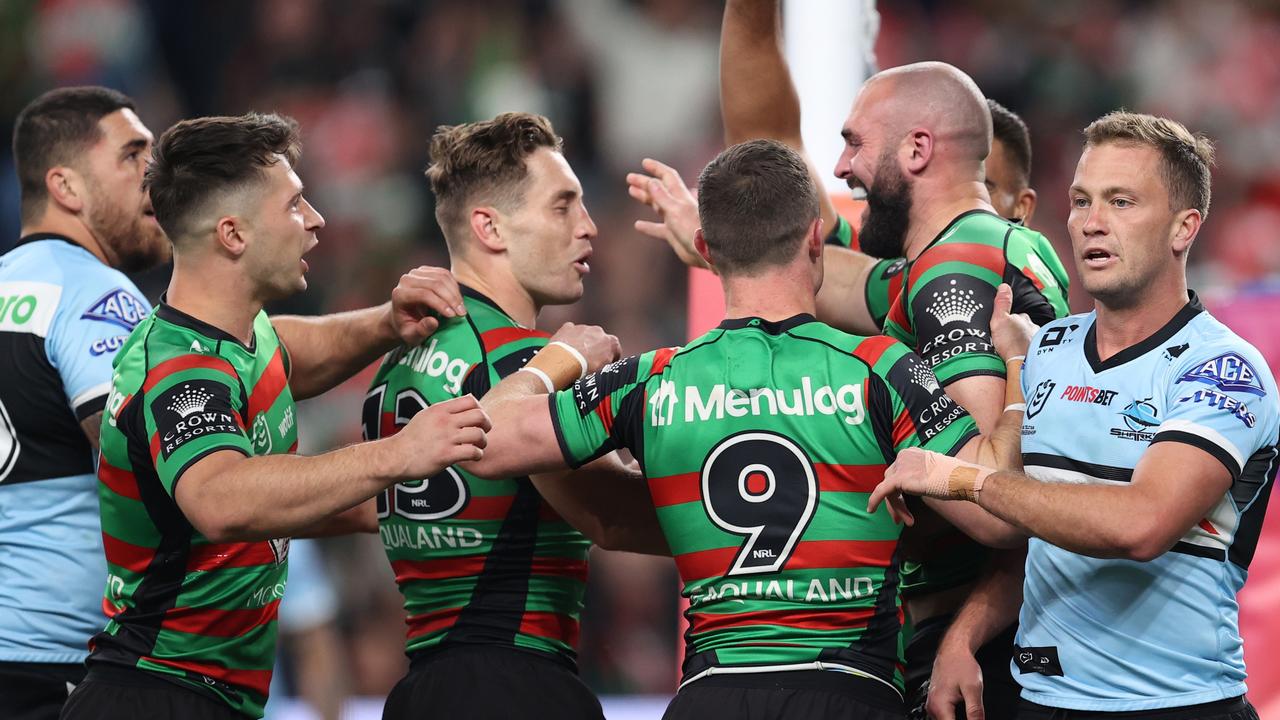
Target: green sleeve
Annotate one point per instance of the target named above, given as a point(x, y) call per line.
point(912, 409)
point(191, 413)
point(605, 410)
point(883, 285)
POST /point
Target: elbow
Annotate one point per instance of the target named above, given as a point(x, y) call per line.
point(221, 528)
point(1141, 542)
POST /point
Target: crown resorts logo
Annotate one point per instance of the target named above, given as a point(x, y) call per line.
point(189, 401)
point(925, 378)
point(954, 305)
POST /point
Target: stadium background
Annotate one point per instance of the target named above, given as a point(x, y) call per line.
point(623, 80)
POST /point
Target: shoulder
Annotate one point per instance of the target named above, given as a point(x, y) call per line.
point(1216, 356)
point(976, 239)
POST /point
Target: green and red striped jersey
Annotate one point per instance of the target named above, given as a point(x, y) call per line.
point(478, 561)
point(761, 442)
point(944, 313)
point(198, 613)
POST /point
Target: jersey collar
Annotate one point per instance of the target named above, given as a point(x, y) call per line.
point(771, 327)
point(1133, 352)
point(174, 316)
point(956, 221)
point(38, 236)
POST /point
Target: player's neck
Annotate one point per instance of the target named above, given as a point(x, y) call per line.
point(501, 287)
point(770, 296)
point(933, 210)
point(1120, 327)
point(231, 307)
point(69, 227)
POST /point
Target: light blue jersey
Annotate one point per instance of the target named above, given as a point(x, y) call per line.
point(63, 315)
point(1120, 635)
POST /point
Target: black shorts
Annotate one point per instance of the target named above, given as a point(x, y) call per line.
point(114, 692)
point(36, 691)
point(1233, 709)
point(825, 694)
point(1000, 692)
point(486, 682)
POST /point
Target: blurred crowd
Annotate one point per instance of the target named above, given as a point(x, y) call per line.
point(621, 80)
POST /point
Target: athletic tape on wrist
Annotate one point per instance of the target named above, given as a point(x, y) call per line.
point(582, 361)
point(1017, 407)
point(546, 379)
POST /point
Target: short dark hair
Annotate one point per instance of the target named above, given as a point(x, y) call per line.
point(1009, 129)
point(196, 160)
point(755, 201)
point(484, 161)
point(54, 129)
point(1185, 158)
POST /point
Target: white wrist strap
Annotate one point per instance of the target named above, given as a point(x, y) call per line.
point(1023, 358)
point(582, 362)
point(1018, 407)
point(546, 379)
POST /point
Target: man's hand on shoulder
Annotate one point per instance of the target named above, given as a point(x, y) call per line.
point(423, 296)
point(595, 347)
point(1010, 332)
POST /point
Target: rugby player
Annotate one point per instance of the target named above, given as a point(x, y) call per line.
point(759, 441)
point(67, 306)
point(198, 485)
point(1149, 448)
point(922, 133)
point(492, 574)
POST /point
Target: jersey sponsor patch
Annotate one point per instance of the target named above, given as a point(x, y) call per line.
point(191, 410)
point(1043, 660)
point(1088, 394)
point(105, 345)
point(953, 304)
point(1226, 403)
point(1054, 337)
point(118, 307)
point(590, 391)
point(1228, 372)
point(720, 400)
point(28, 307)
point(930, 408)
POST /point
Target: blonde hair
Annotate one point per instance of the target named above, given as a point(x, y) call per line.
point(1185, 157)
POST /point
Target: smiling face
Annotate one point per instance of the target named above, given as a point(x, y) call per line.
point(117, 209)
point(549, 235)
point(869, 162)
point(281, 227)
point(1123, 233)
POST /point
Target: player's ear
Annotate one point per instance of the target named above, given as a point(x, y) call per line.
point(1025, 206)
point(917, 150)
point(484, 224)
point(700, 244)
point(814, 239)
point(231, 232)
point(65, 187)
point(1186, 225)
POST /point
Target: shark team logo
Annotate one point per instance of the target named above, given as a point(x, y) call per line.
point(118, 307)
point(261, 435)
point(1140, 418)
point(954, 305)
point(192, 410)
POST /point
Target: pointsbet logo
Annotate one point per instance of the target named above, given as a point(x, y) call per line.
point(719, 401)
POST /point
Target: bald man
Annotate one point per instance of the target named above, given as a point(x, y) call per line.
point(916, 140)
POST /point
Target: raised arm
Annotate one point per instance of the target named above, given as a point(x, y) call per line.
point(326, 350)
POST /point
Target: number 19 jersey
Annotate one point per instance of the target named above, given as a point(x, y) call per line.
point(761, 441)
point(478, 561)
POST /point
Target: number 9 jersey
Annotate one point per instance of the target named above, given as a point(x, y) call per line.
point(761, 441)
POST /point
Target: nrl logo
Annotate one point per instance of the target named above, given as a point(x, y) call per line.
point(1039, 397)
point(261, 435)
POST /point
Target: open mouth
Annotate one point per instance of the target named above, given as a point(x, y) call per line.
point(581, 264)
point(1097, 258)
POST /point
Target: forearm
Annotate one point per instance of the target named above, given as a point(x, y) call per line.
point(757, 97)
point(1104, 521)
point(272, 496)
point(608, 503)
point(842, 300)
point(327, 349)
point(992, 605)
point(362, 518)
